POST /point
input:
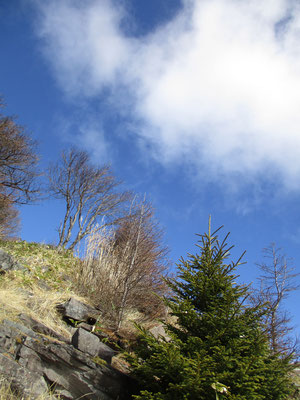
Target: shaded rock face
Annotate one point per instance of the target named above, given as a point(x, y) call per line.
point(33, 363)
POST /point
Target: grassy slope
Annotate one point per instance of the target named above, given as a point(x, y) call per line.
point(45, 282)
point(48, 279)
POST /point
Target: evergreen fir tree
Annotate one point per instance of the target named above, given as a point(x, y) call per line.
point(218, 347)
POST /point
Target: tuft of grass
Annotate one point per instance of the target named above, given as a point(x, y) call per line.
point(98, 360)
point(7, 393)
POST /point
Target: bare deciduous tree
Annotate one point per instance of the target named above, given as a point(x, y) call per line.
point(18, 173)
point(18, 162)
point(9, 221)
point(89, 195)
point(123, 271)
point(138, 246)
point(276, 282)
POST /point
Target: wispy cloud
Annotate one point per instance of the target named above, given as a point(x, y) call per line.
point(218, 86)
point(86, 133)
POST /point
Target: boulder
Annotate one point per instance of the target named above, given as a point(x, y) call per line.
point(106, 353)
point(78, 311)
point(9, 328)
point(89, 343)
point(86, 342)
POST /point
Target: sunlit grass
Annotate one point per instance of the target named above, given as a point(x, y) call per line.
point(44, 283)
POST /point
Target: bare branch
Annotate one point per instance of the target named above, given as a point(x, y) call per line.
point(89, 193)
point(9, 221)
point(18, 162)
point(276, 282)
point(17, 173)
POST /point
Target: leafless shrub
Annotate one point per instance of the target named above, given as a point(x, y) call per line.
point(123, 268)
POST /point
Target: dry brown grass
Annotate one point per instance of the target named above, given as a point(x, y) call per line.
point(38, 304)
point(6, 392)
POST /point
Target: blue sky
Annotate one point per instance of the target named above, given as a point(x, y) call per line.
point(195, 103)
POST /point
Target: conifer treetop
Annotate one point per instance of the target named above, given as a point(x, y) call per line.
point(216, 336)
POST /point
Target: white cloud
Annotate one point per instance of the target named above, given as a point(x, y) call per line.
point(87, 134)
point(83, 43)
point(217, 86)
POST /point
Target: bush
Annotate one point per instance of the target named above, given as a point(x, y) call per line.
point(122, 271)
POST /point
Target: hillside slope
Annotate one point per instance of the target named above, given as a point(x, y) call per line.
point(49, 333)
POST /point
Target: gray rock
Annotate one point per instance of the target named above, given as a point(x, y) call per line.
point(27, 383)
point(9, 340)
point(40, 328)
point(91, 344)
point(106, 353)
point(86, 342)
point(160, 332)
point(78, 311)
point(17, 327)
point(31, 362)
point(86, 326)
point(71, 329)
point(73, 372)
point(7, 263)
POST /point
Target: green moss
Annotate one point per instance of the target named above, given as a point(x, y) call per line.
point(98, 360)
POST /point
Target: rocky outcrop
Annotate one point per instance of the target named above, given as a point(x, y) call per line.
point(26, 383)
point(38, 327)
point(7, 263)
point(34, 363)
